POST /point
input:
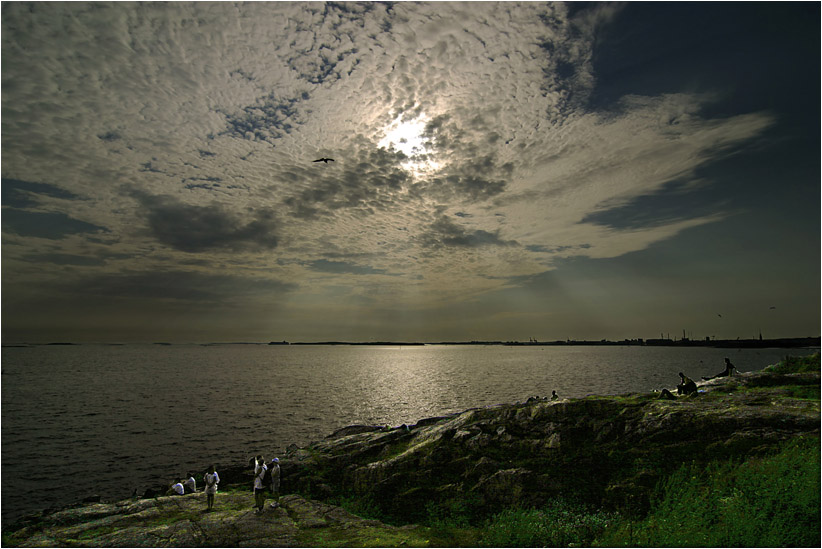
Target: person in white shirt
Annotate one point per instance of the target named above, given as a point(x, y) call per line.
point(176, 489)
point(211, 480)
point(190, 485)
point(274, 467)
point(259, 487)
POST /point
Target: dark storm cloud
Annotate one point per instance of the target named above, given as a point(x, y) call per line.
point(270, 118)
point(343, 267)
point(50, 225)
point(368, 181)
point(23, 194)
point(194, 229)
point(444, 233)
point(177, 285)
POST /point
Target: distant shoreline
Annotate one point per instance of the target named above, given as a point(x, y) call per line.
point(786, 343)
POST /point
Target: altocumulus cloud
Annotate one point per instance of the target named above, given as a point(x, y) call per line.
point(469, 154)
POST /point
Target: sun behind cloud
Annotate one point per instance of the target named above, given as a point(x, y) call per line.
point(408, 136)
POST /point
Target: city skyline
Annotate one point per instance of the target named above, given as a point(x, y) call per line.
point(501, 171)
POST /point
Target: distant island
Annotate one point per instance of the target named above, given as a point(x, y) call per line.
point(760, 343)
point(792, 342)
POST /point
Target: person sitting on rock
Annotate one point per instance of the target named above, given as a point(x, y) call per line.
point(666, 395)
point(687, 387)
point(554, 395)
point(729, 370)
point(176, 488)
point(190, 485)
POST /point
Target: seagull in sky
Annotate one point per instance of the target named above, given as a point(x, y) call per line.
point(326, 160)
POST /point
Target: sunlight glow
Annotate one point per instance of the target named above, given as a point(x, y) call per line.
point(408, 137)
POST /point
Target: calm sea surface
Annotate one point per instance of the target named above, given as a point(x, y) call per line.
point(85, 420)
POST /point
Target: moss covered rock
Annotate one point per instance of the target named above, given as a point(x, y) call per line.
point(607, 450)
point(182, 522)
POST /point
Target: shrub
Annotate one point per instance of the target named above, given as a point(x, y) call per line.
point(362, 506)
point(452, 513)
point(559, 524)
point(763, 502)
point(796, 365)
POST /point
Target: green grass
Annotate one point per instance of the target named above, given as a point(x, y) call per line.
point(362, 506)
point(559, 524)
point(763, 502)
point(805, 392)
point(363, 537)
point(796, 365)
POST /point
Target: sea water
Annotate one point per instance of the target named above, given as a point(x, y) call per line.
point(105, 420)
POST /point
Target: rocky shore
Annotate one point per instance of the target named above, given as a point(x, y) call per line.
point(607, 451)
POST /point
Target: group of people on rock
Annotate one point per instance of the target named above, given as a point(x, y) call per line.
point(188, 485)
point(554, 396)
point(687, 386)
point(266, 477)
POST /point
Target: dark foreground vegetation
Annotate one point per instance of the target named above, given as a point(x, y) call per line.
point(736, 466)
point(770, 501)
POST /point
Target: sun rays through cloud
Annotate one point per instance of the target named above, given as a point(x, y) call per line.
point(408, 136)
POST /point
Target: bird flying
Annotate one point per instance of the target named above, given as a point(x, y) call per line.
point(326, 160)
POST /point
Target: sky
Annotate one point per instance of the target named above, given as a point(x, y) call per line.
point(502, 171)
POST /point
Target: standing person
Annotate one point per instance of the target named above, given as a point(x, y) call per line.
point(190, 485)
point(259, 487)
point(274, 471)
point(211, 480)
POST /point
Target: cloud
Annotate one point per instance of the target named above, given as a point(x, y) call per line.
point(211, 114)
point(191, 228)
point(26, 194)
point(64, 259)
point(268, 119)
point(49, 225)
point(342, 267)
point(444, 233)
point(178, 285)
point(367, 181)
